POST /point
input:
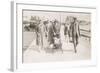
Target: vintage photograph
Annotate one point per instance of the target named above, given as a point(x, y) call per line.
point(49, 36)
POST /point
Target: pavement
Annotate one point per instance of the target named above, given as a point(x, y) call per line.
point(35, 53)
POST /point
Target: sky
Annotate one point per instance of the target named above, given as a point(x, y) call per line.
point(55, 15)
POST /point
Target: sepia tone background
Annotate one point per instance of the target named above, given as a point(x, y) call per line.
point(30, 52)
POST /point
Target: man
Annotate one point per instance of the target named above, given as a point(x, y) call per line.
point(51, 33)
point(75, 32)
point(54, 35)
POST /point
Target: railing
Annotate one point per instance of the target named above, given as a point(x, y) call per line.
point(85, 33)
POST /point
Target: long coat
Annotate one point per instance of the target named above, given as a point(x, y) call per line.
point(75, 32)
point(50, 34)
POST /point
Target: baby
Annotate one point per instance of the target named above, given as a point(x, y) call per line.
point(57, 42)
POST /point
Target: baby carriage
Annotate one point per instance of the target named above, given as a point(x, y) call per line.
point(57, 42)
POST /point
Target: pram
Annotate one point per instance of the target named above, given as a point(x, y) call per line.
point(57, 42)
